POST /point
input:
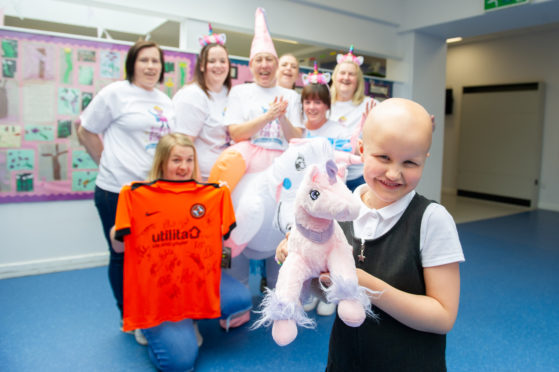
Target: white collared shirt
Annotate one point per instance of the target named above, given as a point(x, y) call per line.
point(439, 242)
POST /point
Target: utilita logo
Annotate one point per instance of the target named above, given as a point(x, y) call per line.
point(175, 234)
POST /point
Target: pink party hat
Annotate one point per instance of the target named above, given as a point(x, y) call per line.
point(212, 38)
point(316, 77)
point(349, 57)
point(262, 42)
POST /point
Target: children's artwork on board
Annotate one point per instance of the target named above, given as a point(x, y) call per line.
point(84, 180)
point(110, 64)
point(86, 99)
point(53, 160)
point(20, 160)
point(35, 132)
point(68, 101)
point(9, 100)
point(64, 128)
point(85, 75)
point(66, 66)
point(39, 60)
point(10, 136)
point(9, 68)
point(9, 48)
point(86, 55)
point(39, 103)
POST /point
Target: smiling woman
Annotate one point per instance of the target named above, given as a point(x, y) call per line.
point(131, 116)
point(200, 105)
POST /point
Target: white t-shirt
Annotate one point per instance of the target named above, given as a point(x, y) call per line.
point(349, 116)
point(248, 101)
point(335, 133)
point(439, 242)
point(131, 120)
point(202, 117)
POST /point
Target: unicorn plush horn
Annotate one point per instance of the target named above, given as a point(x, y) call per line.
point(262, 41)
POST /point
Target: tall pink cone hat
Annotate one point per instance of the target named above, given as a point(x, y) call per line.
point(262, 42)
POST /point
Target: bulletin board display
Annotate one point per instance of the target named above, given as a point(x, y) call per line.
point(46, 82)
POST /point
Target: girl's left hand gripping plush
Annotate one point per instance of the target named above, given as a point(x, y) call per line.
point(316, 245)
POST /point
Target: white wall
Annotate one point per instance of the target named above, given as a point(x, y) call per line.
point(523, 58)
point(50, 236)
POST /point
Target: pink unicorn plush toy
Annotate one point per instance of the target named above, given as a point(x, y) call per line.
point(317, 244)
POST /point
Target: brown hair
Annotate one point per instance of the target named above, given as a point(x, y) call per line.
point(313, 91)
point(163, 152)
point(133, 55)
point(359, 93)
point(202, 61)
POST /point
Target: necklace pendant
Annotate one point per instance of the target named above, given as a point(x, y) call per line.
point(361, 257)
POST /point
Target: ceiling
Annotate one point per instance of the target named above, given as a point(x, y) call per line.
point(238, 43)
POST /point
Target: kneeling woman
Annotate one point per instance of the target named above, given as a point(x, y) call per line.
point(173, 227)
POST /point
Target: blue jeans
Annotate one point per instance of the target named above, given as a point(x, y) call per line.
point(172, 346)
point(106, 203)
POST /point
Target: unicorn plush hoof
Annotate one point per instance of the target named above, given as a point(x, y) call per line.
point(351, 312)
point(284, 331)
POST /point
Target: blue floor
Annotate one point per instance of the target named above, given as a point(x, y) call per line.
point(508, 318)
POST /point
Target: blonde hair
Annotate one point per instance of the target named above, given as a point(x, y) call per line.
point(359, 94)
point(163, 152)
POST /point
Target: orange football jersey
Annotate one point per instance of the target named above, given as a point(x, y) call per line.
point(172, 232)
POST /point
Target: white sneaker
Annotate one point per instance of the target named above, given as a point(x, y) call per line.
point(140, 338)
point(311, 303)
point(199, 337)
point(325, 308)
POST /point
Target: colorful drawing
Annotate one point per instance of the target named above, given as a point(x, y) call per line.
point(52, 161)
point(9, 99)
point(39, 61)
point(67, 66)
point(169, 85)
point(9, 68)
point(85, 75)
point(85, 55)
point(82, 160)
point(68, 101)
point(24, 182)
point(86, 99)
point(9, 48)
point(10, 136)
point(110, 64)
point(83, 180)
point(20, 160)
point(169, 67)
point(3, 100)
point(183, 66)
point(64, 128)
point(5, 174)
point(39, 133)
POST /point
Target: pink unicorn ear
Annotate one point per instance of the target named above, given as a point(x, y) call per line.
point(314, 173)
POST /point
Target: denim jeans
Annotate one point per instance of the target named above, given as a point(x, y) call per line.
point(172, 346)
point(106, 203)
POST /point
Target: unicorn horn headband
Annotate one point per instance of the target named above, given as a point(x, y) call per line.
point(212, 38)
point(316, 77)
point(349, 57)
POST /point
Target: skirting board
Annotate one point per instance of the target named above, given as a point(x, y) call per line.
point(36, 267)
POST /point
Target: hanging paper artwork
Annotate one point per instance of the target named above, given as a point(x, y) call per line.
point(47, 81)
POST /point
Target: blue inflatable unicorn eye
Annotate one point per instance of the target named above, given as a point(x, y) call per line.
point(314, 194)
point(286, 183)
